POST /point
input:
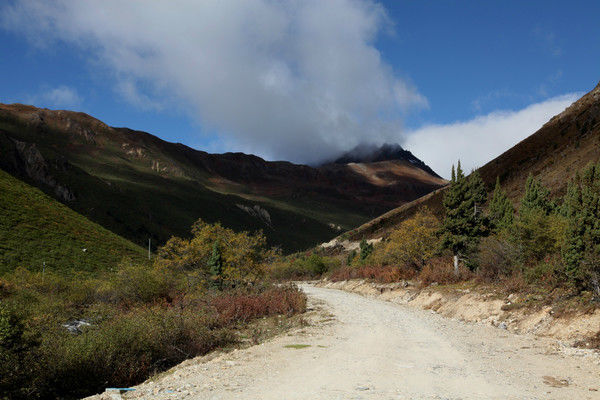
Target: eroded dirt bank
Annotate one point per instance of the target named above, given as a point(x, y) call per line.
point(472, 306)
point(358, 347)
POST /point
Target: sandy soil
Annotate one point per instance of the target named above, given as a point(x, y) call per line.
point(364, 348)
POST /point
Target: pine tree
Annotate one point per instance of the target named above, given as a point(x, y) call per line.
point(501, 210)
point(538, 229)
point(351, 257)
point(365, 249)
point(581, 207)
point(215, 265)
point(464, 223)
point(536, 197)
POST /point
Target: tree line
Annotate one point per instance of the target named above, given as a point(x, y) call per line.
point(562, 231)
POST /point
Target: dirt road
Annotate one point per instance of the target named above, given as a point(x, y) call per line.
point(360, 348)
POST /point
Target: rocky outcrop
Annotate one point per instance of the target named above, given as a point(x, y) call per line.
point(257, 212)
point(25, 159)
point(38, 169)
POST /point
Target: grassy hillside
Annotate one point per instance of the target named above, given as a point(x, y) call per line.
point(34, 228)
point(564, 145)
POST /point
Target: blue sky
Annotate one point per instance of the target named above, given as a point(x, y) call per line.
point(302, 81)
point(487, 55)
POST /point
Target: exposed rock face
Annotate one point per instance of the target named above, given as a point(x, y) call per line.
point(257, 212)
point(26, 160)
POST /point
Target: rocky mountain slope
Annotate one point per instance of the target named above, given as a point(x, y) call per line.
point(140, 186)
point(561, 147)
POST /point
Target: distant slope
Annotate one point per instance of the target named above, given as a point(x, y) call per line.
point(35, 228)
point(140, 186)
point(564, 145)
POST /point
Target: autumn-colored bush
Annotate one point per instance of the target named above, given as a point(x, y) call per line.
point(122, 350)
point(386, 274)
point(243, 255)
point(441, 270)
point(412, 243)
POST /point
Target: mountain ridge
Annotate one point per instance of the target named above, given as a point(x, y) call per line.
point(141, 186)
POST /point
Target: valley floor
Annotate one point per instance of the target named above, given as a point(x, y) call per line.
point(364, 348)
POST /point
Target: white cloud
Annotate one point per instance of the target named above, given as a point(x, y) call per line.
point(129, 91)
point(58, 97)
point(477, 141)
point(297, 79)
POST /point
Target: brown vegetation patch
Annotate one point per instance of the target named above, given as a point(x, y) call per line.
point(590, 343)
point(387, 274)
point(441, 271)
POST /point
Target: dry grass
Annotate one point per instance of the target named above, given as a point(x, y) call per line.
point(437, 270)
point(441, 270)
point(387, 274)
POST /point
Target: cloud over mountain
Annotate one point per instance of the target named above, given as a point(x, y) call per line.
point(300, 80)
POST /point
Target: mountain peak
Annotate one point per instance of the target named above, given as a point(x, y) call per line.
point(370, 153)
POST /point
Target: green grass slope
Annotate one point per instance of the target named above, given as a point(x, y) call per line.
point(35, 228)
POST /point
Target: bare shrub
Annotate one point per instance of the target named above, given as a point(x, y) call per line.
point(441, 270)
point(235, 307)
point(496, 258)
point(514, 283)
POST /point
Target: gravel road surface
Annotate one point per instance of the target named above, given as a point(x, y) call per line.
point(362, 348)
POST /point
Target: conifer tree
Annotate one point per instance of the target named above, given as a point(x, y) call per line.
point(215, 264)
point(464, 223)
point(536, 197)
point(538, 230)
point(365, 249)
point(501, 210)
point(581, 207)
